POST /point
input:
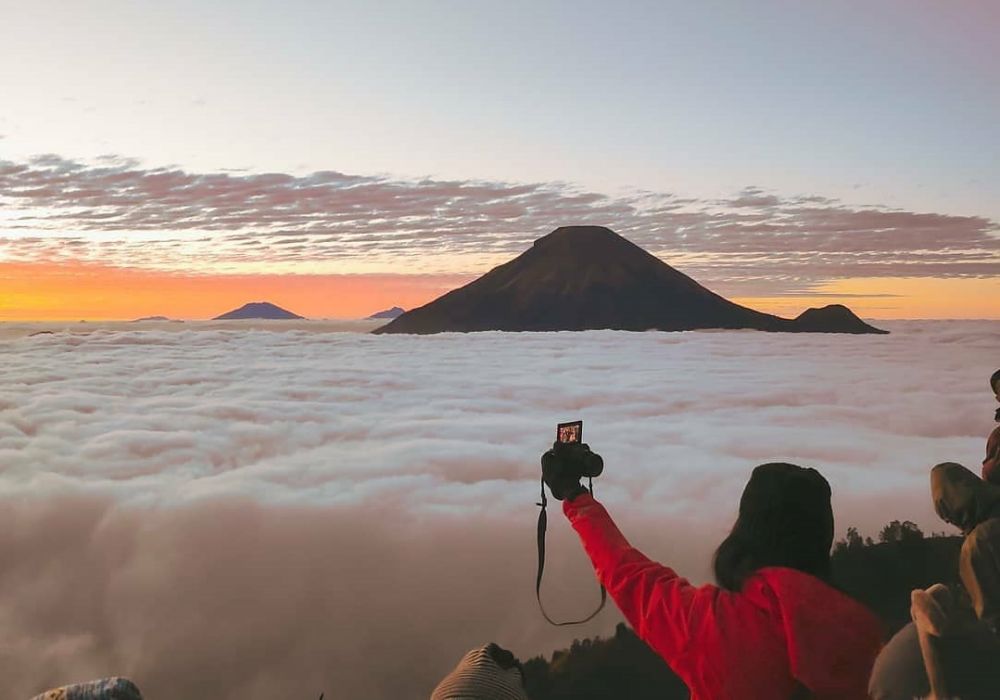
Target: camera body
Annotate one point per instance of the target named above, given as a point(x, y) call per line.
point(571, 461)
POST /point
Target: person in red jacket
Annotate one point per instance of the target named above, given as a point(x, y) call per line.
point(773, 628)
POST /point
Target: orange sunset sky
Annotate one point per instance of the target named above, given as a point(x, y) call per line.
point(77, 291)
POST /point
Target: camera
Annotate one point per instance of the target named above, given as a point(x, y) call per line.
point(570, 457)
point(569, 460)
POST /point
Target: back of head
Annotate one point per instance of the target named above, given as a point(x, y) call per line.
point(785, 519)
point(480, 676)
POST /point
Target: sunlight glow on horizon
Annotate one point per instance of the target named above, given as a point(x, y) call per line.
point(38, 292)
point(895, 298)
point(60, 292)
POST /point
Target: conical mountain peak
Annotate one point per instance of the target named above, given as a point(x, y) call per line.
point(582, 278)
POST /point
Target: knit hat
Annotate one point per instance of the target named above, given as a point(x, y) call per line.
point(785, 520)
point(789, 503)
point(478, 676)
point(104, 689)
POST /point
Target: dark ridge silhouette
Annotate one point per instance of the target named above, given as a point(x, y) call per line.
point(151, 318)
point(880, 575)
point(394, 312)
point(257, 309)
point(619, 667)
point(835, 318)
point(586, 278)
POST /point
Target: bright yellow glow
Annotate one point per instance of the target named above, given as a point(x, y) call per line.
point(895, 297)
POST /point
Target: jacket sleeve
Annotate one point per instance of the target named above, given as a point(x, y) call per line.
point(659, 604)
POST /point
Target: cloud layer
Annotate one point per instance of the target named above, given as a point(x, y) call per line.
point(117, 212)
point(253, 513)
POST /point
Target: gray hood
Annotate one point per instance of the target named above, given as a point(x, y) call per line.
point(962, 498)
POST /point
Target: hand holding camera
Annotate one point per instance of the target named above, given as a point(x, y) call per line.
point(569, 460)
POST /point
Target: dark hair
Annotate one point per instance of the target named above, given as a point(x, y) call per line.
point(994, 379)
point(785, 519)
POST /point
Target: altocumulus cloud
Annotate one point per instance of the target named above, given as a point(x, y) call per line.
point(253, 514)
point(118, 212)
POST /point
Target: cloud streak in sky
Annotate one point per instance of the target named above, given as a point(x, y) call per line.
point(118, 212)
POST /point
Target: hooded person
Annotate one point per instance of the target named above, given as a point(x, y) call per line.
point(991, 465)
point(487, 673)
point(961, 498)
point(105, 689)
point(950, 649)
point(979, 567)
point(773, 627)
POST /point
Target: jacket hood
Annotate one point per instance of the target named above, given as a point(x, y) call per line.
point(962, 498)
point(979, 567)
point(831, 638)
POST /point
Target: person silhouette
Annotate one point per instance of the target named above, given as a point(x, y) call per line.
point(991, 465)
point(950, 648)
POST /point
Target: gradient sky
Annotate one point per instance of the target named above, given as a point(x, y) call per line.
point(781, 152)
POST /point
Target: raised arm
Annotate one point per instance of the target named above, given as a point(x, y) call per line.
point(659, 604)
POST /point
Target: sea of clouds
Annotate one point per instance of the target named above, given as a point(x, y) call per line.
point(274, 511)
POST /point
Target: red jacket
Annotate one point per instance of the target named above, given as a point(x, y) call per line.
point(784, 627)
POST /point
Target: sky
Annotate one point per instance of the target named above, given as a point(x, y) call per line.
point(183, 158)
point(245, 514)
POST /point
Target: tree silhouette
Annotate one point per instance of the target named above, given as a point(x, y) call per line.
point(896, 531)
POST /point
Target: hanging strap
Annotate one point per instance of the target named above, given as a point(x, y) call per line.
point(542, 526)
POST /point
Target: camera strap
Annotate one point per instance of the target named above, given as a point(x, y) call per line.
point(543, 521)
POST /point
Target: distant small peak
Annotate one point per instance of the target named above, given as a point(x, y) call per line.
point(833, 318)
point(830, 310)
point(258, 309)
point(394, 312)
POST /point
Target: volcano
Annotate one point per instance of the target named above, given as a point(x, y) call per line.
point(588, 277)
point(258, 310)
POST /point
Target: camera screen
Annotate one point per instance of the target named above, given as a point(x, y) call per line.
point(570, 432)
